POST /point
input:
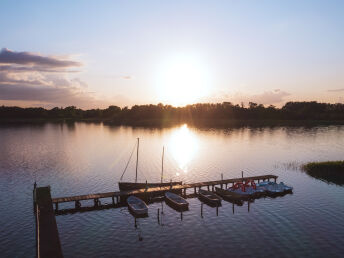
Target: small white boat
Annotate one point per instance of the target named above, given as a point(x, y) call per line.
point(176, 201)
point(137, 206)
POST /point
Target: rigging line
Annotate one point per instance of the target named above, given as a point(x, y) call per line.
point(132, 152)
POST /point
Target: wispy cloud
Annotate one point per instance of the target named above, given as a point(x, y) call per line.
point(25, 76)
point(336, 90)
point(276, 96)
point(26, 58)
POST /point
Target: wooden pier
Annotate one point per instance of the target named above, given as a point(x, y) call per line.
point(120, 196)
point(47, 236)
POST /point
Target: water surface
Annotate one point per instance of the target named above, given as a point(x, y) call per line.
point(83, 158)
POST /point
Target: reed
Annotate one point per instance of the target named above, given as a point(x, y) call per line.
point(330, 171)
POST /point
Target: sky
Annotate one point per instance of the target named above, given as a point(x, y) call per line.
point(94, 54)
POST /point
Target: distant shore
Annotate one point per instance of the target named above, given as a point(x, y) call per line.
point(223, 114)
point(162, 124)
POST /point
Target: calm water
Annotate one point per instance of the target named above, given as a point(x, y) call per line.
point(85, 158)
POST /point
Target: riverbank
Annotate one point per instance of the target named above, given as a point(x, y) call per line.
point(330, 171)
point(157, 123)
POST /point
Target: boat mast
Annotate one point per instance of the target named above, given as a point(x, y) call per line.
point(162, 163)
point(137, 157)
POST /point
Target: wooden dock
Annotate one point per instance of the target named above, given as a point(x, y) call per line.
point(47, 236)
point(120, 196)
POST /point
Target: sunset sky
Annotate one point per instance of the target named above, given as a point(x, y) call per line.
point(97, 53)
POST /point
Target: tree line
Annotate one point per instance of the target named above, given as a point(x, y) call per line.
point(196, 113)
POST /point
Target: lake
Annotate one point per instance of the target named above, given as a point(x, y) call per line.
point(83, 158)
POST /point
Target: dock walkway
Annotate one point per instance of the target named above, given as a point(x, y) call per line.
point(47, 237)
point(146, 191)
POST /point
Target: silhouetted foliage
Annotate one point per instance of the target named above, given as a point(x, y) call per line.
point(330, 171)
point(202, 113)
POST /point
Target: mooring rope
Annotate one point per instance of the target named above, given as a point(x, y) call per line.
point(132, 152)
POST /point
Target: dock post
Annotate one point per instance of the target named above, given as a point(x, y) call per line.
point(275, 179)
point(56, 207)
point(202, 210)
point(226, 185)
point(181, 215)
point(158, 216)
point(217, 210)
point(184, 192)
point(77, 204)
point(269, 179)
point(208, 187)
point(113, 200)
point(212, 187)
point(221, 186)
point(233, 208)
point(195, 190)
point(248, 206)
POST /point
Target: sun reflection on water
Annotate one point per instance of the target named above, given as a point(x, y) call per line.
point(183, 146)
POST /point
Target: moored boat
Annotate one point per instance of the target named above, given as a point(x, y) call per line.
point(209, 197)
point(230, 195)
point(274, 189)
point(137, 206)
point(127, 186)
point(176, 201)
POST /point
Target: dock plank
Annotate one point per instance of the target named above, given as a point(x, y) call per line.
point(157, 189)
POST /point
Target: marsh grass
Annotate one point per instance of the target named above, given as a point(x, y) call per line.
point(330, 171)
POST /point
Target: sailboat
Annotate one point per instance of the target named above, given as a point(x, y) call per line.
point(126, 186)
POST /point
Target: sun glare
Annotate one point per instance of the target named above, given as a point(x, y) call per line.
point(183, 145)
point(182, 79)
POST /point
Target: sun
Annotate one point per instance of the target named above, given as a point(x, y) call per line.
point(182, 79)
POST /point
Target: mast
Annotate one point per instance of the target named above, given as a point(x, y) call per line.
point(162, 163)
point(137, 158)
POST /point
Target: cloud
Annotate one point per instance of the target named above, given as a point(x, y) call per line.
point(336, 90)
point(126, 77)
point(267, 97)
point(31, 77)
point(26, 58)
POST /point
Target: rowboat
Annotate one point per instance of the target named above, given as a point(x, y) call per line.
point(176, 201)
point(137, 206)
point(231, 196)
point(209, 197)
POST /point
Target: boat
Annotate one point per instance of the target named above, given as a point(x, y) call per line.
point(209, 197)
point(176, 201)
point(274, 189)
point(230, 195)
point(137, 206)
point(127, 186)
point(247, 189)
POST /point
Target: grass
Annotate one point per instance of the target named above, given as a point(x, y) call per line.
point(330, 171)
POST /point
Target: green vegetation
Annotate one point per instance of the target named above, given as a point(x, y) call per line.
point(204, 114)
point(330, 171)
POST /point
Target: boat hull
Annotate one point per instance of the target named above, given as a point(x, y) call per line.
point(137, 207)
point(181, 205)
point(127, 186)
point(209, 198)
